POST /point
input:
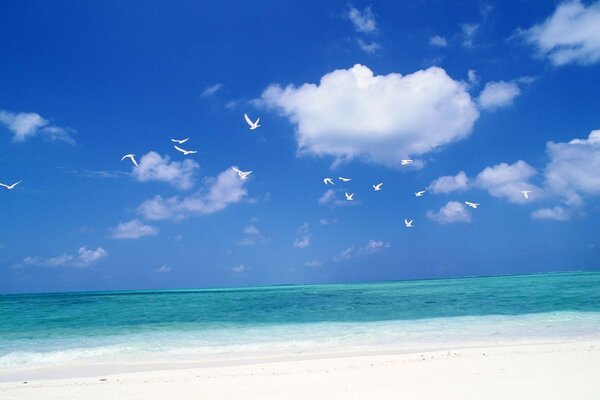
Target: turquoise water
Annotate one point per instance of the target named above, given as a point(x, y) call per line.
point(201, 324)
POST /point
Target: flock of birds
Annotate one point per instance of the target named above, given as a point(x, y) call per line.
point(244, 174)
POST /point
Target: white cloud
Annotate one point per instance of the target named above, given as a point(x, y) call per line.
point(325, 221)
point(253, 236)
point(345, 254)
point(352, 113)
point(133, 229)
point(313, 263)
point(573, 168)
point(210, 90)
point(447, 184)
point(84, 258)
point(571, 34)
point(369, 48)
point(363, 21)
point(304, 240)
point(163, 269)
point(239, 268)
point(468, 32)
point(472, 77)
point(217, 194)
point(25, 125)
point(372, 247)
point(498, 94)
point(154, 167)
point(507, 181)
point(438, 41)
point(557, 213)
point(454, 211)
point(327, 197)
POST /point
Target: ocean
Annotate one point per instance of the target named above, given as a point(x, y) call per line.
point(215, 324)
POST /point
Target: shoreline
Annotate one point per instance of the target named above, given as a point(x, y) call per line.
point(567, 369)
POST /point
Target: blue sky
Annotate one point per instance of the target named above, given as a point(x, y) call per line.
point(487, 98)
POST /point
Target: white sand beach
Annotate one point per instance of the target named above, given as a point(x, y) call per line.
point(536, 371)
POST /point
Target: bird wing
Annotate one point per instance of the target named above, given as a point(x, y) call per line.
point(125, 156)
point(257, 119)
point(236, 170)
point(2, 184)
point(180, 149)
point(192, 152)
point(248, 120)
point(134, 162)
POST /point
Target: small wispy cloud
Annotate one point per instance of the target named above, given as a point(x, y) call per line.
point(253, 236)
point(363, 21)
point(468, 34)
point(83, 258)
point(368, 47)
point(211, 90)
point(238, 269)
point(453, 211)
point(303, 240)
point(438, 41)
point(133, 229)
point(216, 195)
point(498, 94)
point(557, 213)
point(372, 247)
point(154, 167)
point(25, 125)
point(163, 269)
point(313, 263)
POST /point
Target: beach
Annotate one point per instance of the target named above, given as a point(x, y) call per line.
point(530, 337)
point(539, 371)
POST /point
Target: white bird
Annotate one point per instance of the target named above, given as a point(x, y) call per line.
point(405, 162)
point(328, 181)
point(349, 197)
point(180, 141)
point(242, 174)
point(253, 125)
point(420, 193)
point(185, 152)
point(131, 157)
point(344, 179)
point(407, 223)
point(377, 187)
point(472, 205)
point(11, 187)
point(525, 193)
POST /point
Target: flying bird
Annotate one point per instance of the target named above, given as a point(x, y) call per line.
point(185, 152)
point(131, 157)
point(420, 193)
point(405, 162)
point(253, 125)
point(11, 187)
point(180, 141)
point(349, 197)
point(407, 223)
point(472, 205)
point(377, 187)
point(241, 174)
point(328, 181)
point(525, 193)
point(344, 179)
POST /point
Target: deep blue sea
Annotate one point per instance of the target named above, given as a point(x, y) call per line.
point(53, 329)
